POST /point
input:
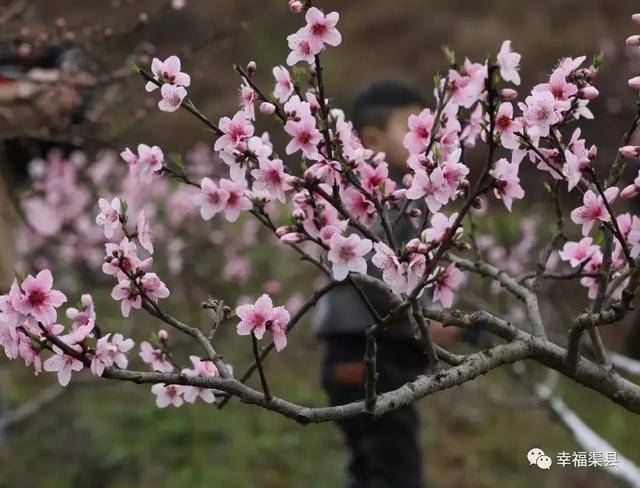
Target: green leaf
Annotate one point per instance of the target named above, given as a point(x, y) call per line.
point(135, 68)
point(598, 60)
point(437, 79)
point(449, 54)
point(176, 159)
point(19, 276)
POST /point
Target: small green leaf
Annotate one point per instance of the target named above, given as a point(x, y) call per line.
point(598, 60)
point(176, 159)
point(19, 276)
point(449, 54)
point(437, 80)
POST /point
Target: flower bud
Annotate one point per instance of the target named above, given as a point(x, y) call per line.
point(301, 197)
point(413, 245)
point(399, 194)
point(414, 212)
point(477, 203)
point(633, 41)
point(293, 181)
point(312, 101)
point(298, 214)
point(407, 179)
point(292, 238)
point(636, 19)
point(589, 93)
point(588, 73)
point(629, 192)
point(584, 163)
point(267, 108)
point(593, 152)
point(272, 287)
point(280, 231)
point(635, 83)
point(163, 335)
point(423, 248)
point(251, 67)
point(508, 94)
point(295, 6)
point(630, 151)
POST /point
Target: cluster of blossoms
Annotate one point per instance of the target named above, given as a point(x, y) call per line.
point(176, 395)
point(135, 282)
point(345, 205)
point(172, 83)
point(29, 325)
point(60, 213)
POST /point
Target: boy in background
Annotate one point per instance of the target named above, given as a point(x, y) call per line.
point(385, 451)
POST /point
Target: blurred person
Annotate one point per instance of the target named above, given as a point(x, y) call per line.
point(385, 451)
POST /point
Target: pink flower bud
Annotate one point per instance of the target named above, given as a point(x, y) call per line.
point(407, 179)
point(267, 108)
point(413, 245)
point(593, 152)
point(300, 198)
point(414, 212)
point(584, 163)
point(163, 335)
point(633, 41)
point(478, 203)
point(272, 287)
point(295, 7)
point(312, 100)
point(298, 214)
point(423, 248)
point(399, 194)
point(589, 73)
point(293, 181)
point(630, 151)
point(635, 83)
point(636, 18)
point(251, 67)
point(292, 238)
point(280, 231)
point(629, 192)
point(508, 94)
point(589, 93)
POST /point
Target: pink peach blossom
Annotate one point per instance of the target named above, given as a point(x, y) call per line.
point(172, 97)
point(38, 298)
point(169, 69)
point(593, 209)
point(109, 216)
point(509, 63)
point(577, 252)
point(347, 254)
point(447, 282)
point(155, 357)
point(284, 85)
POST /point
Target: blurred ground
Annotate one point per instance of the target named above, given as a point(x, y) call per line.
point(104, 434)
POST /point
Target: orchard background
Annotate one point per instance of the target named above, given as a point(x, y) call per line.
point(477, 435)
